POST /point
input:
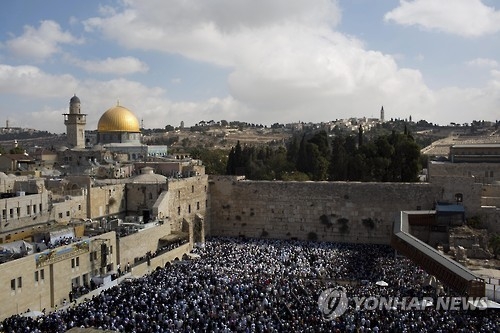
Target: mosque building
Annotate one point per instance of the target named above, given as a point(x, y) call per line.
point(118, 131)
point(117, 139)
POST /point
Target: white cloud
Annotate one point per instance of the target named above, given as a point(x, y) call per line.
point(287, 62)
point(120, 66)
point(467, 18)
point(40, 43)
point(465, 105)
point(207, 31)
point(31, 81)
point(483, 62)
point(52, 94)
point(496, 75)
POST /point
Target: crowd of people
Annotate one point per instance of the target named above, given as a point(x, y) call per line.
point(52, 244)
point(242, 285)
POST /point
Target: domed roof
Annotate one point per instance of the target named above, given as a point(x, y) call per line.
point(74, 99)
point(148, 176)
point(118, 119)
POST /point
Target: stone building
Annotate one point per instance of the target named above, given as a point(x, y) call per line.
point(43, 280)
point(171, 213)
point(19, 164)
point(24, 203)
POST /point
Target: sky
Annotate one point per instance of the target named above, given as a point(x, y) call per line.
point(258, 61)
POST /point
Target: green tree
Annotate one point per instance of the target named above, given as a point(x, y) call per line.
point(231, 163)
point(320, 139)
point(383, 158)
point(301, 163)
point(405, 160)
point(360, 136)
point(16, 150)
point(215, 160)
point(317, 166)
point(295, 176)
point(339, 161)
point(292, 153)
point(494, 244)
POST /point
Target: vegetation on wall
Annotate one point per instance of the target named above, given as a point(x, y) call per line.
point(369, 223)
point(474, 222)
point(494, 243)
point(312, 236)
point(344, 226)
point(325, 220)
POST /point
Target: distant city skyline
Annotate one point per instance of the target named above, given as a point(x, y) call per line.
point(256, 61)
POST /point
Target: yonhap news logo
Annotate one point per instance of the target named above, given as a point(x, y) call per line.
point(333, 303)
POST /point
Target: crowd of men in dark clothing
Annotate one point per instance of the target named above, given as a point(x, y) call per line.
point(243, 285)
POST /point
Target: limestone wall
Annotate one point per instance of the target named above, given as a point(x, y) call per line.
point(187, 197)
point(106, 200)
point(468, 187)
point(142, 197)
point(21, 212)
point(482, 172)
point(490, 219)
point(161, 260)
point(73, 208)
point(326, 211)
point(491, 190)
point(138, 244)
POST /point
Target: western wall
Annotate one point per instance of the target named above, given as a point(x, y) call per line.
point(325, 211)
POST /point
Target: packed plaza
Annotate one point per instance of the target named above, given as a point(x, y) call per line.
point(263, 285)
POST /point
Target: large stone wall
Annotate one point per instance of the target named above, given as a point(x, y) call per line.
point(106, 200)
point(160, 260)
point(138, 244)
point(482, 172)
point(186, 198)
point(468, 187)
point(326, 211)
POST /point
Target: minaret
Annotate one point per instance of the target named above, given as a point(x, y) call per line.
point(382, 114)
point(75, 124)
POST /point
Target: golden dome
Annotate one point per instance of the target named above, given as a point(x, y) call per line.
point(118, 119)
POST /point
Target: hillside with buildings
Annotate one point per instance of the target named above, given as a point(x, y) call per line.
point(104, 206)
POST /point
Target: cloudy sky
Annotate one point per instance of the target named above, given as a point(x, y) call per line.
point(260, 61)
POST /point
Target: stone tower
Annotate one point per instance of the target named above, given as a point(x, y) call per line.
point(75, 124)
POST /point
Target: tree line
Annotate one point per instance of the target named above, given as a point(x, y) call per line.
point(386, 158)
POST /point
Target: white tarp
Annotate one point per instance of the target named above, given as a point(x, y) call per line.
point(17, 247)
